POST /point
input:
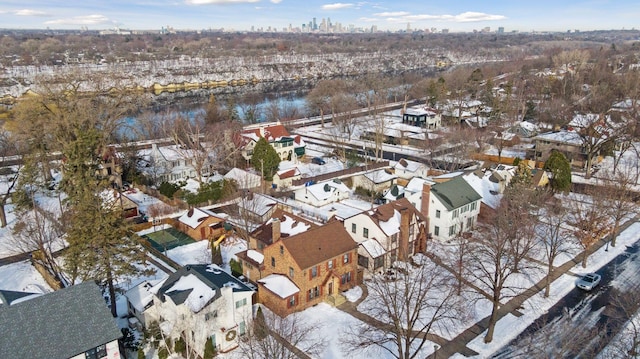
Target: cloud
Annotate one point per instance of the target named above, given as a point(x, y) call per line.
point(469, 16)
point(219, 2)
point(82, 20)
point(29, 12)
point(337, 6)
point(392, 13)
point(276, 1)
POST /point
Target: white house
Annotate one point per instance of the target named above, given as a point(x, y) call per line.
point(376, 181)
point(284, 178)
point(200, 301)
point(287, 146)
point(244, 179)
point(414, 190)
point(453, 207)
point(406, 169)
point(390, 232)
point(422, 116)
point(172, 163)
point(322, 193)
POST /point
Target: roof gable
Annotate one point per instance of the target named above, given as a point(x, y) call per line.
point(455, 193)
point(319, 244)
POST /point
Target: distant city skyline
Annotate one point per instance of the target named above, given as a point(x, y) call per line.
point(287, 15)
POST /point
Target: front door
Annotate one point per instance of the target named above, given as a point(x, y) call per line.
point(330, 288)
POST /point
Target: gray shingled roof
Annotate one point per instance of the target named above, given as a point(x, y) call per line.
point(455, 193)
point(61, 324)
point(212, 275)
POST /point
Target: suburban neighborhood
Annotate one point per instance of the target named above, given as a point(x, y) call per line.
point(461, 222)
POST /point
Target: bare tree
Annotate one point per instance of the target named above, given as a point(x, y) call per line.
point(271, 336)
point(552, 234)
point(618, 199)
point(9, 175)
point(499, 252)
point(187, 135)
point(410, 304)
point(590, 221)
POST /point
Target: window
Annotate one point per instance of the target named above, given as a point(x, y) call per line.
point(353, 228)
point(313, 293)
point(394, 238)
point(241, 303)
point(273, 262)
point(436, 231)
point(346, 258)
point(437, 213)
point(242, 328)
point(330, 264)
point(452, 230)
point(378, 262)
point(474, 206)
point(469, 222)
point(291, 272)
point(97, 352)
point(365, 232)
point(281, 249)
point(211, 315)
point(363, 261)
point(346, 278)
point(314, 271)
point(454, 214)
point(292, 301)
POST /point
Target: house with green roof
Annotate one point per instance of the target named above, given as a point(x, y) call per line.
point(73, 322)
point(452, 207)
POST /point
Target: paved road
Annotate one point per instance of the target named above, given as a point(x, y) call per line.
point(574, 326)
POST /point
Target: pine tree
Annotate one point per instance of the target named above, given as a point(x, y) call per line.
point(560, 169)
point(102, 245)
point(265, 159)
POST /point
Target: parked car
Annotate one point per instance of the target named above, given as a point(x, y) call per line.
point(318, 161)
point(588, 281)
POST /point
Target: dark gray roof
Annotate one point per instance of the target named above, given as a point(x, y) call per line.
point(61, 324)
point(211, 275)
point(455, 193)
point(9, 296)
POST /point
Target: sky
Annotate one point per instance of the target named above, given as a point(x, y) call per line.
point(455, 15)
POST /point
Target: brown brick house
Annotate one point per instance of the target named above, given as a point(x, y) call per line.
point(304, 269)
point(201, 224)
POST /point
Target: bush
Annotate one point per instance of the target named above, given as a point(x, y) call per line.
point(236, 267)
point(141, 354)
point(163, 353)
point(168, 189)
point(209, 349)
point(180, 347)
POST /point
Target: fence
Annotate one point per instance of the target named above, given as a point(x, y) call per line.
point(345, 172)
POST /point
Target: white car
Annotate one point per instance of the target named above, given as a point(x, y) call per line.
point(588, 281)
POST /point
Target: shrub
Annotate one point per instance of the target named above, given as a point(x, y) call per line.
point(168, 189)
point(141, 354)
point(180, 347)
point(209, 349)
point(163, 353)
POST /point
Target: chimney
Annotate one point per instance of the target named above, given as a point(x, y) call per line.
point(275, 230)
point(426, 199)
point(403, 241)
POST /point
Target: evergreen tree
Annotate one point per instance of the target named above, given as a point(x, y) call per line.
point(265, 159)
point(209, 350)
point(522, 175)
point(102, 245)
point(560, 169)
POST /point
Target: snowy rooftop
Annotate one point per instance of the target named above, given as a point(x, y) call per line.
point(408, 165)
point(324, 190)
point(243, 178)
point(391, 226)
point(279, 285)
point(291, 226)
point(418, 111)
point(416, 183)
point(195, 216)
point(255, 256)
point(380, 176)
point(568, 137)
point(372, 247)
point(141, 295)
point(200, 293)
point(487, 189)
